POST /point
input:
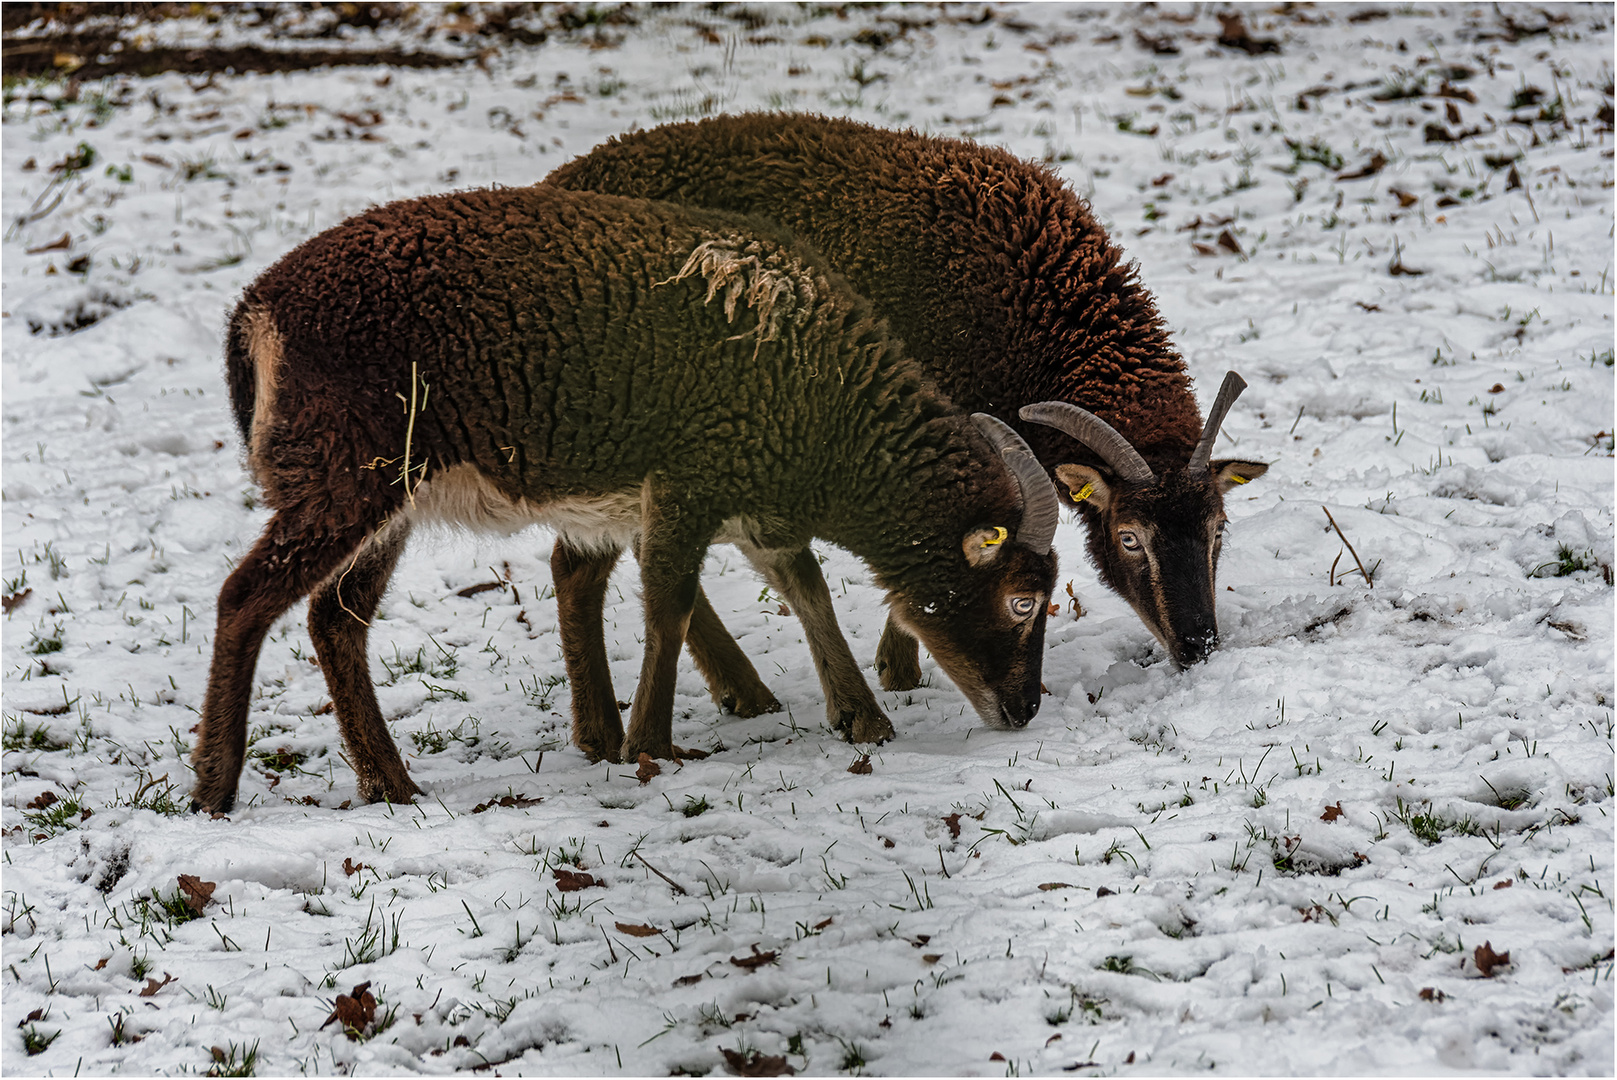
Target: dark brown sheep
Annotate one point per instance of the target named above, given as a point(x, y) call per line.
point(630, 373)
point(1005, 288)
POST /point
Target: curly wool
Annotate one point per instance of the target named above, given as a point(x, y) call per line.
point(995, 274)
point(566, 344)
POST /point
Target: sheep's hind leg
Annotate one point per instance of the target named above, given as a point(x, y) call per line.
point(671, 550)
point(286, 562)
point(850, 705)
point(340, 613)
point(898, 658)
point(731, 678)
point(580, 576)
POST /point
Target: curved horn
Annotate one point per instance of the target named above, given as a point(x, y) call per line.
point(1227, 393)
point(1094, 433)
point(1040, 510)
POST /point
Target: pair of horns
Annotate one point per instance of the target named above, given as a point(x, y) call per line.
point(1115, 450)
point(1040, 510)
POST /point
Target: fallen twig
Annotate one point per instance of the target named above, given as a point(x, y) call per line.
point(1367, 579)
point(677, 886)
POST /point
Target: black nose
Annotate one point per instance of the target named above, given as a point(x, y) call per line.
point(1194, 648)
point(1017, 713)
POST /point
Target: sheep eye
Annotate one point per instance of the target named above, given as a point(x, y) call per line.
point(1129, 541)
point(1022, 606)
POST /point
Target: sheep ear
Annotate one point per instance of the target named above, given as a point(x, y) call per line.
point(983, 546)
point(1084, 484)
point(1231, 474)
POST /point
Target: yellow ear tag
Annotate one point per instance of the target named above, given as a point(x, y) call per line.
point(1084, 492)
point(1239, 479)
point(1000, 533)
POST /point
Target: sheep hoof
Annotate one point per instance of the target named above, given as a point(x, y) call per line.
point(863, 725)
point(220, 804)
point(631, 751)
point(392, 791)
point(750, 704)
point(899, 672)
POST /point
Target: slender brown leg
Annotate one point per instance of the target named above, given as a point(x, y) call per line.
point(898, 658)
point(580, 578)
point(285, 563)
point(340, 612)
point(850, 706)
point(731, 678)
point(671, 551)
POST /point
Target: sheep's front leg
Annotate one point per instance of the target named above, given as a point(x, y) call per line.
point(672, 547)
point(340, 612)
point(898, 658)
point(850, 706)
point(731, 678)
point(580, 578)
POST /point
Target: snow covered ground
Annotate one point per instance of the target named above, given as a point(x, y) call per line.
point(1308, 855)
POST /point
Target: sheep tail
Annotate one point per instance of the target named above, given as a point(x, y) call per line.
point(239, 372)
point(254, 362)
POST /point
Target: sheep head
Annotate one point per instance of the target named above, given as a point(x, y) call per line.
point(1155, 538)
point(988, 632)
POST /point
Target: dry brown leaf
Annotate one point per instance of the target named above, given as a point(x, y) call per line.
point(101, 963)
point(1332, 812)
point(1507, 883)
point(996, 1056)
point(1486, 959)
point(9, 602)
point(153, 986)
point(1048, 885)
point(1429, 993)
point(953, 821)
point(823, 923)
point(508, 801)
point(648, 769)
point(1104, 891)
point(637, 929)
point(355, 1011)
point(1377, 162)
point(688, 980)
point(1229, 243)
point(688, 754)
point(568, 881)
point(42, 800)
point(350, 867)
point(862, 767)
point(60, 243)
point(756, 960)
point(754, 1063)
point(197, 892)
point(931, 957)
point(481, 587)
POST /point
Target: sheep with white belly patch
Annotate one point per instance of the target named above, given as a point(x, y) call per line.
point(631, 373)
